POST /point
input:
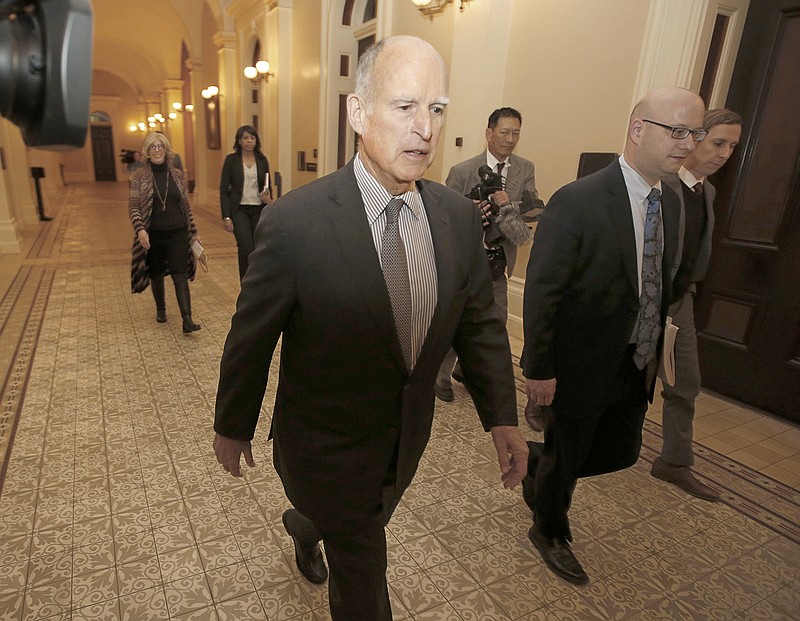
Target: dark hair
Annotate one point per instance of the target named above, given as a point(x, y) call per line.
point(250, 130)
point(501, 113)
point(720, 116)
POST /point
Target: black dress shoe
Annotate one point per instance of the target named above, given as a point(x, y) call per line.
point(308, 558)
point(559, 557)
point(443, 394)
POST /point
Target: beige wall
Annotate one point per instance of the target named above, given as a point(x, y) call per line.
point(305, 68)
point(573, 82)
point(209, 175)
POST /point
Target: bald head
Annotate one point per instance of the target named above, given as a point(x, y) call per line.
point(649, 147)
point(381, 60)
point(398, 110)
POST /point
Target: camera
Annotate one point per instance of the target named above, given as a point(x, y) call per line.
point(490, 182)
point(46, 70)
point(126, 156)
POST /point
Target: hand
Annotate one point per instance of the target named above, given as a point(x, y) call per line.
point(486, 211)
point(265, 196)
point(229, 452)
point(501, 198)
point(228, 224)
point(541, 392)
point(144, 239)
point(512, 454)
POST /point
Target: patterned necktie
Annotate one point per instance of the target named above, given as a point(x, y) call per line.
point(650, 299)
point(395, 273)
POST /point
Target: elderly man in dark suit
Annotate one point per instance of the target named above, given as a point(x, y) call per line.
point(696, 195)
point(510, 207)
point(596, 296)
point(368, 275)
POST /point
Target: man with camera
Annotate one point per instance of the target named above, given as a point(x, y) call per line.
point(503, 186)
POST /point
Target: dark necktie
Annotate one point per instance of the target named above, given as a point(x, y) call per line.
point(500, 166)
point(395, 273)
point(650, 298)
point(698, 188)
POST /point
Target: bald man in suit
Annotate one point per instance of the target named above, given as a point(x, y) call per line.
point(596, 296)
point(365, 319)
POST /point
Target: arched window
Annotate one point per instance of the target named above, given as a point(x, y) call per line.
point(98, 116)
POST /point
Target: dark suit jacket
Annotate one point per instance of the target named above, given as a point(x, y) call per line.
point(581, 290)
point(344, 402)
point(521, 178)
point(704, 253)
point(232, 181)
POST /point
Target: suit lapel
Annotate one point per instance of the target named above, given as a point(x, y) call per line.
point(349, 224)
point(515, 178)
point(439, 223)
point(619, 211)
point(675, 183)
point(671, 212)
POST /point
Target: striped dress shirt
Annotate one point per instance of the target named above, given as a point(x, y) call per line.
point(416, 235)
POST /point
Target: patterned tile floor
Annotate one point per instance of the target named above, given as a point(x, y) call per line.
point(113, 507)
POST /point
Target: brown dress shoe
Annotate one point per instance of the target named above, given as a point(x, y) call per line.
point(683, 477)
point(559, 557)
point(533, 416)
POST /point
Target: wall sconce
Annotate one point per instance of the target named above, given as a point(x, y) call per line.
point(209, 91)
point(429, 8)
point(259, 72)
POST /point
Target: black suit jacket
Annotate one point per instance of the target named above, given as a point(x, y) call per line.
point(345, 407)
point(232, 181)
point(581, 290)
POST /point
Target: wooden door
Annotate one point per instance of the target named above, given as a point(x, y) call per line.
point(748, 310)
point(105, 168)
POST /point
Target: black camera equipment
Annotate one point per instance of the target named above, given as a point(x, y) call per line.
point(490, 182)
point(46, 70)
point(126, 156)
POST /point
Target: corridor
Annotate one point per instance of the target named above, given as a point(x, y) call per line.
point(112, 505)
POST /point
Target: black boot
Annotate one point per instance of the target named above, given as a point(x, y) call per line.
point(184, 302)
point(157, 285)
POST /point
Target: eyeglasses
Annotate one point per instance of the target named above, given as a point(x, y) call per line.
point(160, 147)
point(679, 133)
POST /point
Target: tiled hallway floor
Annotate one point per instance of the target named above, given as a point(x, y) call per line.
point(113, 506)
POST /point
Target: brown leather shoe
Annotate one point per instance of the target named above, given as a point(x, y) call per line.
point(559, 557)
point(683, 477)
point(533, 416)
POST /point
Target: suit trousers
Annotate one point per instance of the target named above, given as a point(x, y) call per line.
point(357, 561)
point(678, 411)
point(245, 220)
point(583, 440)
point(450, 362)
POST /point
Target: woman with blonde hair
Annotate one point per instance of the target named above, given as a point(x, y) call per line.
point(164, 229)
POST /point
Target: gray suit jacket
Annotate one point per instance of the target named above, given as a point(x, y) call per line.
point(704, 254)
point(521, 177)
point(345, 406)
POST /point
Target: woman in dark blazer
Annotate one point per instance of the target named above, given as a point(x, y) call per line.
point(244, 189)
